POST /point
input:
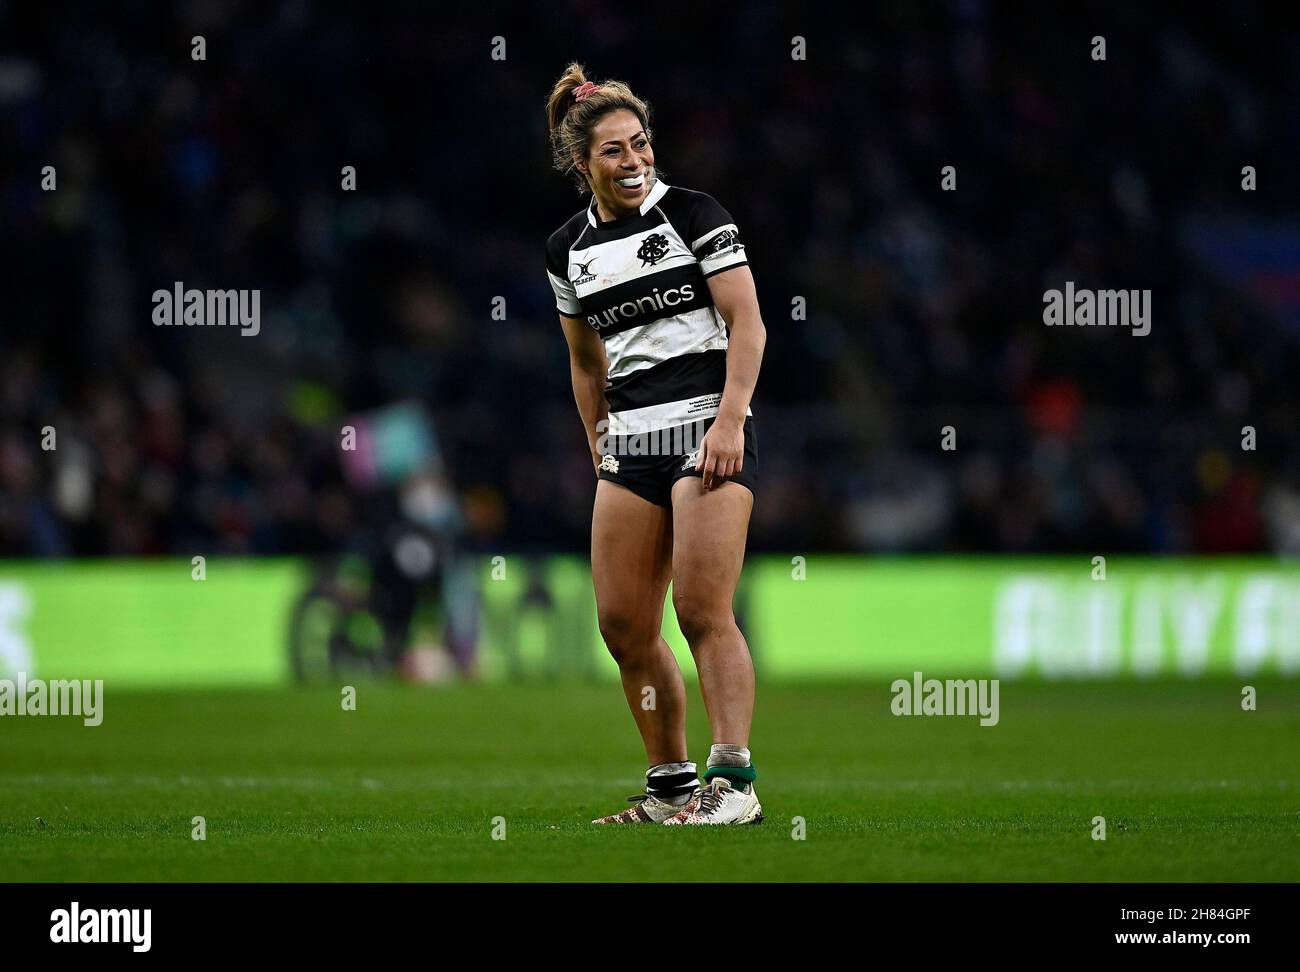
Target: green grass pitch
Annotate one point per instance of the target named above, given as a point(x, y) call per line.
point(406, 787)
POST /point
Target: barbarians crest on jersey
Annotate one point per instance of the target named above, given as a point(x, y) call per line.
point(653, 249)
point(727, 238)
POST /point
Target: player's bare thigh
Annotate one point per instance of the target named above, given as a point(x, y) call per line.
point(631, 563)
point(709, 532)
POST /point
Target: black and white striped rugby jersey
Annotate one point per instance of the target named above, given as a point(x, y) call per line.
point(639, 281)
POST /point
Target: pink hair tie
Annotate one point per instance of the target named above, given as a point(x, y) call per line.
point(584, 90)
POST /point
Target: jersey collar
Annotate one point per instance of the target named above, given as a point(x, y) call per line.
point(652, 197)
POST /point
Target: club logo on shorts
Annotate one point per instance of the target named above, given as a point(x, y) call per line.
point(608, 464)
point(653, 249)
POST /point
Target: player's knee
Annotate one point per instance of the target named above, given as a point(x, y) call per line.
point(699, 620)
point(627, 634)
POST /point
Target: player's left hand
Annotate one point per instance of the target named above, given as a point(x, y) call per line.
point(722, 453)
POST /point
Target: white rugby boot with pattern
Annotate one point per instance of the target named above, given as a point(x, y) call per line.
point(720, 802)
point(649, 809)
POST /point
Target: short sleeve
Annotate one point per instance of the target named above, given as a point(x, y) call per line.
point(715, 238)
point(566, 296)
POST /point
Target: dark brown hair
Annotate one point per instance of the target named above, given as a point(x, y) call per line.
point(570, 122)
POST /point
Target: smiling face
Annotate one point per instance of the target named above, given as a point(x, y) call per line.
point(620, 164)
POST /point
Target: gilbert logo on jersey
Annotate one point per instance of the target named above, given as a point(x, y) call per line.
point(584, 272)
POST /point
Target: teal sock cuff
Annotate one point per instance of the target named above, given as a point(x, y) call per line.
point(736, 774)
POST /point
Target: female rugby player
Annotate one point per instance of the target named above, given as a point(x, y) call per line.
point(665, 341)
